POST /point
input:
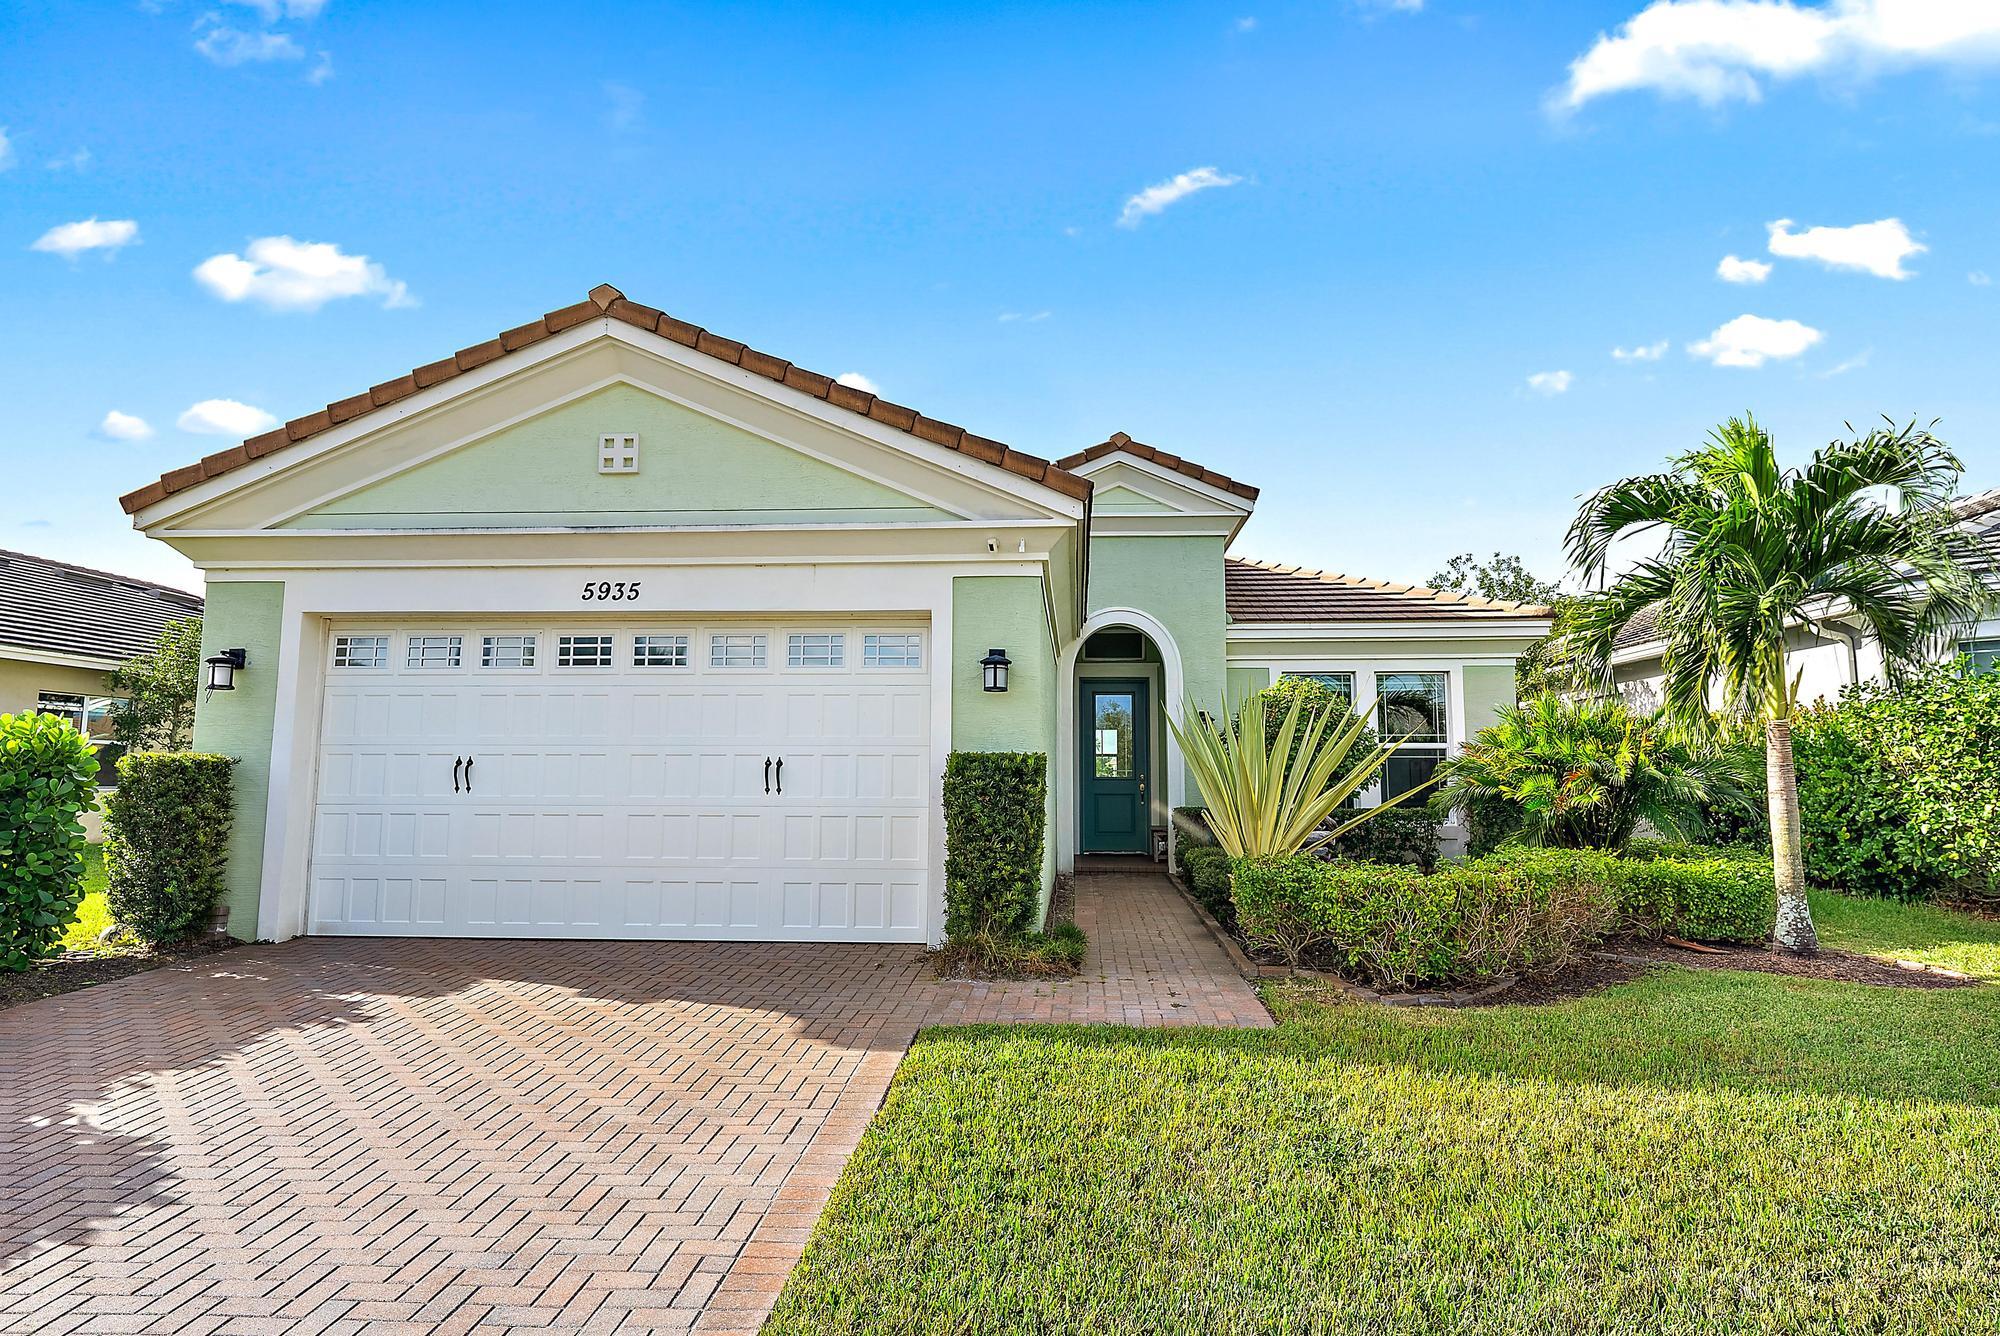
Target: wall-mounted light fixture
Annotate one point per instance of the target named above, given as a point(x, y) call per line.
point(222, 669)
point(996, 664)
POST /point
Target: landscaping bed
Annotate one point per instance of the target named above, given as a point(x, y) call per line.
point(84, 968)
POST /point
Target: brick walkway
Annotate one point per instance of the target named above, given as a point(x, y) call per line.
point(346, 1135)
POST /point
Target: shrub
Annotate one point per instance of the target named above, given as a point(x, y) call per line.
point(48, 780)
point(167, 842)
point(1190, 832)
point(995, 812)
point(1899, 787)
point(1399, 835)
point(1664, 889)
point(1395, 926)
point(1206, 871)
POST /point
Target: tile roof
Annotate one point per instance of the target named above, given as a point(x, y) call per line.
point(604, 302)
point(1121, 443)
point(64, 609)
point(1262, 592)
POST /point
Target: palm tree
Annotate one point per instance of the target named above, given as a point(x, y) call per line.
point(1863, 533)
point(1583, 773)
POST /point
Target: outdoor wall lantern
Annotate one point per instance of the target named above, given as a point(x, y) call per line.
point(996, 663)
point(222, 669)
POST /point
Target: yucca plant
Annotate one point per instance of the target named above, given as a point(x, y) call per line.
point(1268, 790)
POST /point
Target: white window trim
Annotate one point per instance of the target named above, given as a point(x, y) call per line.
point(838, 642)
point(388, 639)
point(535, 650)
point(556, 639)
point(412, 666)
point(711, 634)
point(690, 646)
point(861, 664)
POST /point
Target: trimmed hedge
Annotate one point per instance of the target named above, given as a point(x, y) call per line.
point(1518, 911)
point(1205, 869)
point(166, 842)
point(48, 780)
point(1405, 834)
point(1397, 927)
point(995, 815)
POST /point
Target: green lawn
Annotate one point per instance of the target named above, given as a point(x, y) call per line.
point(93, 915)
point(1909, 932)
point(1696, 1151)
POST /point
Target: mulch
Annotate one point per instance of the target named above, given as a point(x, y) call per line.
point(84, 969)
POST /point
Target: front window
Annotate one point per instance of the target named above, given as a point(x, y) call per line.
point(1984, 654)
point(1412, 707)
point(1340, 684)
point(1113, 733)
point(90, 716)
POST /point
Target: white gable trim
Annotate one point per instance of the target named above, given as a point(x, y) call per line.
point(1195, 509)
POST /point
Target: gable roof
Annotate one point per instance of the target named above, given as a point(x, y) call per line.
point(606, 301)
point(1258, 591)
point(58, 608)
point(1120, 443)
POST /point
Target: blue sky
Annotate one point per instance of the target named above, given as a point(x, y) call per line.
point(1408, 210)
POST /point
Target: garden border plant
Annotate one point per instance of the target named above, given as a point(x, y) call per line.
point(48, 780)
point(995, 823)
point(166, 843)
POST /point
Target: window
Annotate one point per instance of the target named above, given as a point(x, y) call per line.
point(583, 651)
point(1341, 684)
point(435, 652)
point(1411, 706)
point(90, 716)
point(814, 650)
point(1985, 654)
point(892, 651)
point(659, 651)
point(361, 651)
point(507, 652)
point(618, 452)
point(736, 650)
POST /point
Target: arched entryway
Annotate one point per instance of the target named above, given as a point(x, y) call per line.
point(1119, 772)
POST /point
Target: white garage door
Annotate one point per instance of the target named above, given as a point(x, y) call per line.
point(730, 782)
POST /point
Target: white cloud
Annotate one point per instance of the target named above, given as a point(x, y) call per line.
point(1640, 352)
point(273, 10)
point(1155, 198)
point(6, 150)
point(626, 105)
point(322, 70)
point(287, 275)
point(76, 160)
point(1718, 51)
point(1736, 270)
point(119, 426)
point(1752, 340)
point(73, 239)
point(1979, 278)
point(1550, 383)
point(1248, 23)
point(232, 46)
point(854, 380)
point(225, 417)
point(1854, 363)
point(1027, 317)
point(1877, 248)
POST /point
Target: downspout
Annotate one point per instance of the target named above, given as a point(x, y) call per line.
point(1852, 636)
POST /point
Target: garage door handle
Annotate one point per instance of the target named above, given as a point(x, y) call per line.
point(454, 773)
point(767, 774)
point(468, 774)
point(781, 775)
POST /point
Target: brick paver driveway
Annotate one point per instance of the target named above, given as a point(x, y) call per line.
point(358, 1135)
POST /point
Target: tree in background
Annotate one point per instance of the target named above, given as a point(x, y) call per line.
point(1541, 667)
point(157, 712)
point(1749, 549)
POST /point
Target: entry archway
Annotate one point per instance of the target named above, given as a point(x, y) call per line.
point(1173, 687)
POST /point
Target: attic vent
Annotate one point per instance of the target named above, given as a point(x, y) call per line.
point(618, 453)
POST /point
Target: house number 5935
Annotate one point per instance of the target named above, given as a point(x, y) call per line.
point(610, 591)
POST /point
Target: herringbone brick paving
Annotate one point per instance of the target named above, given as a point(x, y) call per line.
point(362, 1135)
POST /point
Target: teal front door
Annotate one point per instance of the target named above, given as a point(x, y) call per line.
point(1115, 732)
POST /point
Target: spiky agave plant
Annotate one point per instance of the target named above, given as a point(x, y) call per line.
point(1268, 790)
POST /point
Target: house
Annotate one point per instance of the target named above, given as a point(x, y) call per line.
point(613, 627)
point(63, 628)
point(1838, 651)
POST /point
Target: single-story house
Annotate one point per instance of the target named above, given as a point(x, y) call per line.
point(1836, 650)
point(613, 627)
point(63, 628)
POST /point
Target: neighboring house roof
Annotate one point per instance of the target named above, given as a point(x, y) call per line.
point(56, 608)
point(1978, 519)
point(1261, 592)
point(1120, 443)
point(606, 301)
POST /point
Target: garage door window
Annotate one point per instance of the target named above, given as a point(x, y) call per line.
point(812, 650)
point(583, 651)
point(361, 651)
point(892, 651)
point(659, 651)
point(507, 652)
point(736, 650)
point(436, 651)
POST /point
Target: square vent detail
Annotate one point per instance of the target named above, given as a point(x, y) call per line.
point(618, 452)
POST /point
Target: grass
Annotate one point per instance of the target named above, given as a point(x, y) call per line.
point(1922, 933)
point(1695, 1151)
point(93, 915)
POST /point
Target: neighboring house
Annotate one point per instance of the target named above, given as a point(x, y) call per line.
point(611, 627)
point(63, 628)
point(1841, 651)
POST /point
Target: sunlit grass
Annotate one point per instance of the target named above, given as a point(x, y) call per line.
point(1900, 931)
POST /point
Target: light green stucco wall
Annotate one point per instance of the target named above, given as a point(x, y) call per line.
point(1178, 580)
point(1246, 681)
point(238, 723)
point(1489, 688)
point(22, 682)
point(545, 471)
point(1009, 612)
